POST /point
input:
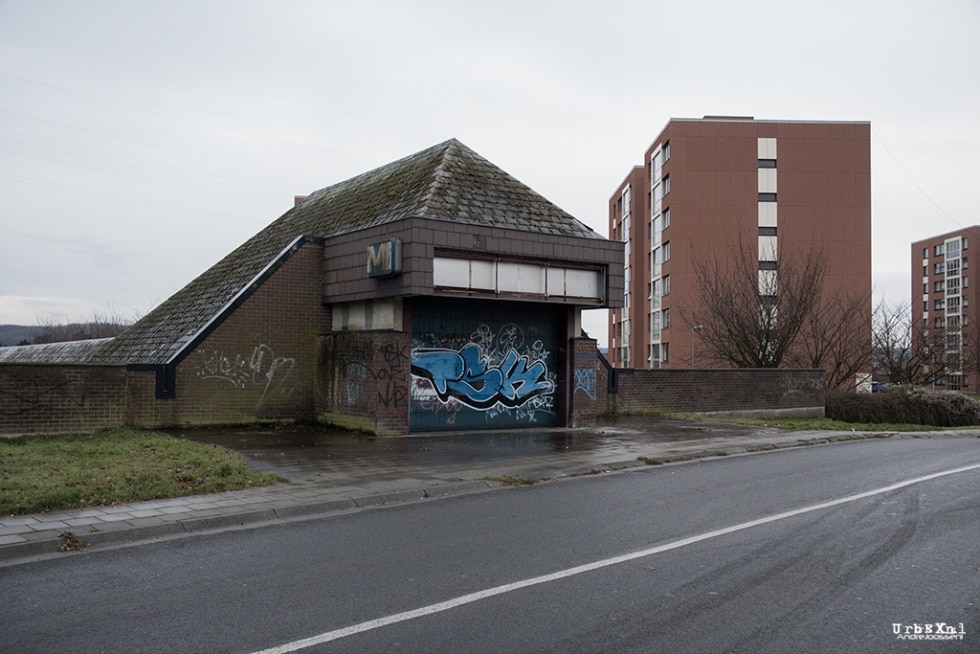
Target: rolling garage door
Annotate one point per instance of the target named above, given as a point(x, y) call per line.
point(482, 364)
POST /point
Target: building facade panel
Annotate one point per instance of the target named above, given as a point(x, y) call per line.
point(721, 185)
point(943, 302)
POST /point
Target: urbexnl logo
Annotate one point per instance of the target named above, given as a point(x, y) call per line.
point(928, 631)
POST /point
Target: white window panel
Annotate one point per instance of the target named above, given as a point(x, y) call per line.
point(582, 283)
point(767, 248)
point(767, 214)
point(451, 272)
point(767, 148)
point(767, 180)
point(483, 275)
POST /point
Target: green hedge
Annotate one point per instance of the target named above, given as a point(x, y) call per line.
point(903, 405)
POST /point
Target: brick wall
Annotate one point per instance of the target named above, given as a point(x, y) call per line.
point(363, 381)
point(734, 390)
point(61, 398)
point(585, 382)
point(259, 363)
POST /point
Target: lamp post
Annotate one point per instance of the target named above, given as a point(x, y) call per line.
point(694, 330)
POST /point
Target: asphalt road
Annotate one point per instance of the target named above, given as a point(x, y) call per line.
point(816, 549)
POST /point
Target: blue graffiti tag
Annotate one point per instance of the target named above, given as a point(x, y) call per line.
point(467, 376)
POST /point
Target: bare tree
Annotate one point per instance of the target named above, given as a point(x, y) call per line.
point(100, 325)
point(751, 315)
point(837, 338)
point(906, 353)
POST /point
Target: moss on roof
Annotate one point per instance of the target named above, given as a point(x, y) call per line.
point(447, 182)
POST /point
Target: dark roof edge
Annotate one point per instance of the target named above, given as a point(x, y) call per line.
point(166, 379)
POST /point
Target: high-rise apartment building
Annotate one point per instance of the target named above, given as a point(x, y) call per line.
point(713, 186)
point(941, 301)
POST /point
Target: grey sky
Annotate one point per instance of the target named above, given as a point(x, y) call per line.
point(142, 141)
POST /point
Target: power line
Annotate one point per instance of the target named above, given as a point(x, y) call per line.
point(184, 118)
point(912, 179)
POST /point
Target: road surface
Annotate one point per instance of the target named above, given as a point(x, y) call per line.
point(868, 546)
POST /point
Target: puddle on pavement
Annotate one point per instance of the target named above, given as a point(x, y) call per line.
point(299, 449)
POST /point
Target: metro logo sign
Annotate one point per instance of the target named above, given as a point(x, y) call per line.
point(384, 259)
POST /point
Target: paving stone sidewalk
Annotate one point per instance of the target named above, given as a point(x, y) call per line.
point(417, 470)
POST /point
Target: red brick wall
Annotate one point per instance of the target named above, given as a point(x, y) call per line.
point(585, 382)
point(61, 398)
point(258, 364)
point(718, 390)
point(363, 381)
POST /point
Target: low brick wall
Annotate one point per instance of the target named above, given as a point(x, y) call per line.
point(721, 391)
point(61, 398)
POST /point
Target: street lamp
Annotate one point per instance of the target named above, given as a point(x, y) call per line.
point(694, 330)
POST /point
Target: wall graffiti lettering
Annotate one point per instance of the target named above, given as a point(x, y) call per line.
point(467, 375)
point(385, 371)
point(586, 380)
point(29, 396)
point(262, 370)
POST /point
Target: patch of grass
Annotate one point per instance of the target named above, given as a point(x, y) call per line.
point(815, 424)
point(71, 542)
point(511, 480)
point(49, 473)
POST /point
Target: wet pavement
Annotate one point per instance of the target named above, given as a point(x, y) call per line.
point(312, 454)
point(330, 471)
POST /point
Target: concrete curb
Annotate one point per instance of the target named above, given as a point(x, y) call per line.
point(201, 514)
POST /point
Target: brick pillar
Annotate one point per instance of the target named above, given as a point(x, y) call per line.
point(584, 381)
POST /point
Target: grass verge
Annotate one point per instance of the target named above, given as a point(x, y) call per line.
point(812, 424)
point(50, 473)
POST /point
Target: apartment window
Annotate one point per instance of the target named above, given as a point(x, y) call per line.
point(966, 281)
point(767, 231)
point(666, 184)
point(767, 197)
point(953, 249)
point(939, 304)
point(666, 217)
point(925, 288)
point(964, 260)
point(964, 242)
point(938, 287)
point(953, 267)
point(666, 251)
point(953, 286)
point(925, 253)
point(664, 352)
point(940, 250)
point(667, 151)
point(666, 319)
point(666, 285)
point(767, 163)
point(939, 268)
point(925, 271)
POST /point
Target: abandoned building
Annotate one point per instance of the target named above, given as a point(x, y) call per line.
point(435, 292)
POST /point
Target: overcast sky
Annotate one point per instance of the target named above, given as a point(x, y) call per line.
point(140, 142)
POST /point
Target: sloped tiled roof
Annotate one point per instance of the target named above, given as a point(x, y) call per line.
point(68, 352)
point(447, 182)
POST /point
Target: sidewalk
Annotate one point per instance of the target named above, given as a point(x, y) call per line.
point(334, 477)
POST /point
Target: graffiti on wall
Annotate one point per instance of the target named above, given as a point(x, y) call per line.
point(261, 370)
point(23, 397)
point(586, 380)
point(491, 371)
point(386, 371)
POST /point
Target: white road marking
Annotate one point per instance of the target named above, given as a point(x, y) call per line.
point(470, 598)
